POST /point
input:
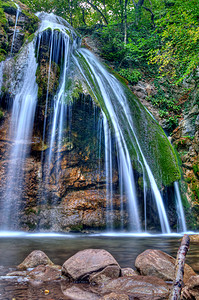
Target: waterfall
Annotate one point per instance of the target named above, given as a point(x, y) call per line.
point(120, 149)
point(1, 74)
point(180, 212)
point(20, 134)
point(110, 90)
point(14, 34)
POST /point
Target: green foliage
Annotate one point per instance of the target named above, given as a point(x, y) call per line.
point(196, 169)
point(177, 56)
point(133, 76)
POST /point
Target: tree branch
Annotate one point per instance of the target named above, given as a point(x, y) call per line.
point(179, 268)
point(152, 15)
point(99, 11)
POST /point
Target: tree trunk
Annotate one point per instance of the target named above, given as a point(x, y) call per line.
point(70, 12)
point(125, 21)
point(83, 16)
point(179, 269)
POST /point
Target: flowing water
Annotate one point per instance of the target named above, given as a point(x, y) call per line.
point(20, 134)
point(115, 102)
point(15, 30)
point(117, 126)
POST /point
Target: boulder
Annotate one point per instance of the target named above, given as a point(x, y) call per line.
point(35, 259)
point(191, 290)
point(157, 263)
point(45, 273)
point(85, 264)
point(142, 287)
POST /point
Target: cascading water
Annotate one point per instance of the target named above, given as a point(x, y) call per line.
point(56, 50)
point(15, 30)
point(115, 102)
point(1, 73)
point(21, 126)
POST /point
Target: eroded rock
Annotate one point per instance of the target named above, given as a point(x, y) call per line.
point(84, 264)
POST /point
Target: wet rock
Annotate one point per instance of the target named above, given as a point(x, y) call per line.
point(128, 272)
point(142, 287)
point(191, 290)
point(35, 259)
point(45, 273)
point(83, 265)
point(157, 263)
point(78, 293)
point(110, 272)
point(114, 296)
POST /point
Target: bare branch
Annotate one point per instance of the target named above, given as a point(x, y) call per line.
point(179, 268)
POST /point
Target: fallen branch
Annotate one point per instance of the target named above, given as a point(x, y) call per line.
point(179, 269)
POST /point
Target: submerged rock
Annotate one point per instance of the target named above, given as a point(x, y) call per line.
point(35, 259)
point(157, 263)
point(142, 287)
point(91, 265)
point(45, 273)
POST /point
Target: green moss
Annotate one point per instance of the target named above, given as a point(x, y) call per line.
point(76, 228)
point(77, 90)
point(3, 20)
point(32, 24)
point(1, 114)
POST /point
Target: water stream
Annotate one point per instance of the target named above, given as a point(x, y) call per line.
point(15, 30)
